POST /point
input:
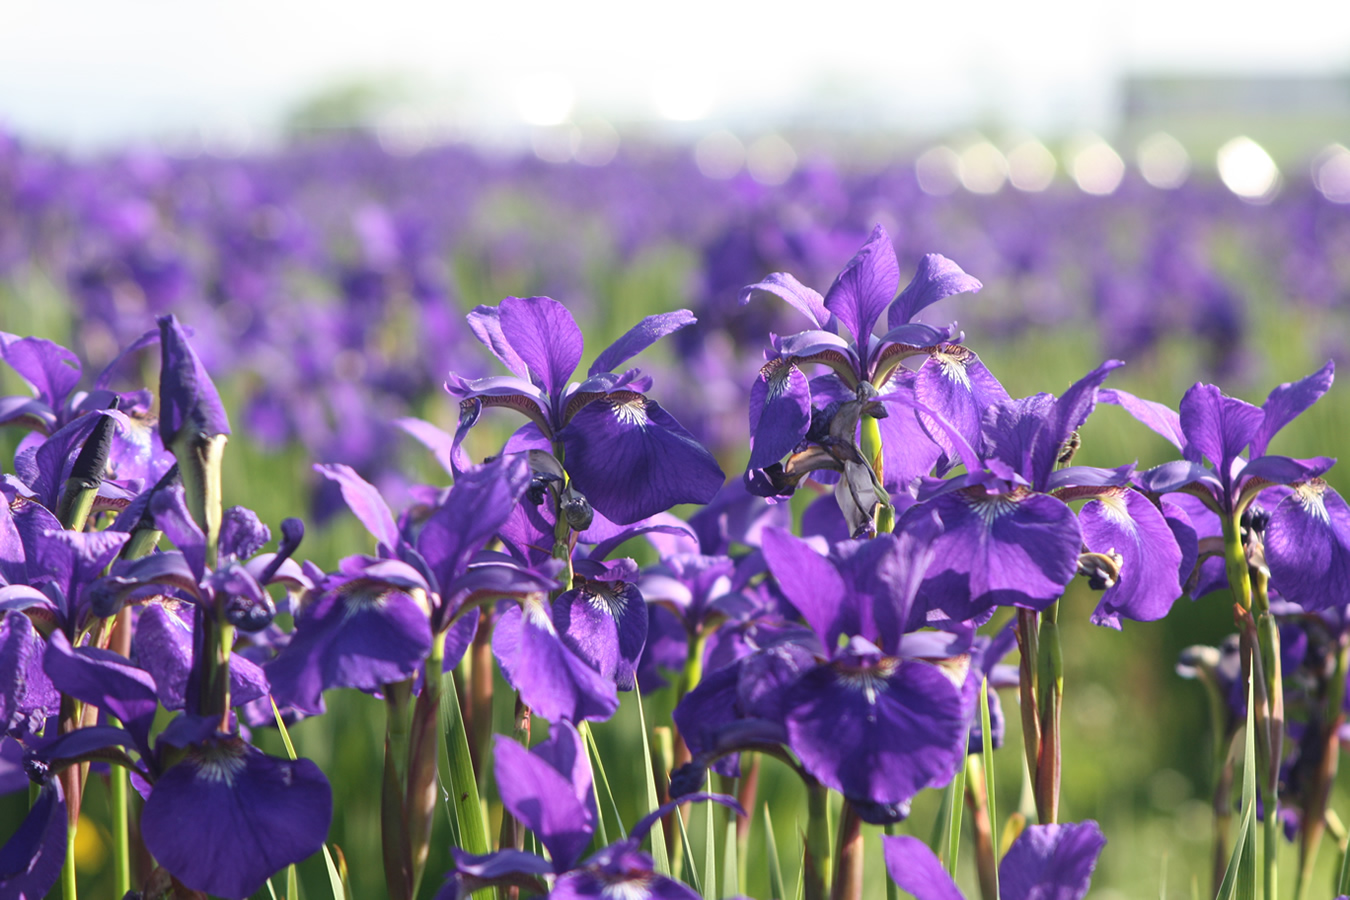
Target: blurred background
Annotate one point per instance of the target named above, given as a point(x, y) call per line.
point(322, 190)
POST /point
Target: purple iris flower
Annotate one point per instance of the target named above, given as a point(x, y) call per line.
point(548, 789)
point(372, 622)
point(782, 398)
point(220, 815)
point(628, 456)
point(1046, 862)
point(1009, 537)
point(852, 700)
point(1307, 536)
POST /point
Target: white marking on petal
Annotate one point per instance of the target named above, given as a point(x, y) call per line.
point(536, 613)
point(954, 368)
point(629, 409)
point(991, 506)
point(1115, 508)
point(776, 373)
point(219, 763)
point(361, 596)
point(870, 680)
point(606, 597)
point(1309, 494)
point(632, 886)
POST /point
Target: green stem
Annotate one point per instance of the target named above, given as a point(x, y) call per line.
point(1235, 561)
point(68, 887)
point(395, 846)
point(870, 447)
point(986, 853)
point(819, 859)
point(1050, 701)
point(121, 830)
point(848, 867)
point(423, 753)
point(987, 758)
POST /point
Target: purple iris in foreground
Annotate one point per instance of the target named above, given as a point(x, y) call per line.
point(1046, 862)
point(549, 790)
point(628, 456)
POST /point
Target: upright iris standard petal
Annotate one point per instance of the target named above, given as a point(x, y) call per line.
point(866, 286)
point(788, 289)
point(1068, 413)
point(1013, 549)
point(226, 817)
point(162, 646)
point(632, 459)
point(936, 278)
point(1308, 546)
point(545, 336)
point(1126, 522)
point(780, 412)
point(1287, 401)
point(555, 682)
point(51, 369)
point(549, 791)
point(188, 399)
point(1051, 862)
point(475, 509)
point(639, 338)
point(1217, 427)
point(365, 501)
point(877, 728)
point(813, 585)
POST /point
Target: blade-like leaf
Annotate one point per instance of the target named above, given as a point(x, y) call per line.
point(777, 890)
point(1239, 879)
point(731, 870)
point(658, 832)
point(463, 784)
point(695, 883)
point(598, 766)
point(987, 753)
point(709, 847)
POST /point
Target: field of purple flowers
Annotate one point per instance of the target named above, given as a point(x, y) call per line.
point(934, 601)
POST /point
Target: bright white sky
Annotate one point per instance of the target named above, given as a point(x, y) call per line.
point(94, 71)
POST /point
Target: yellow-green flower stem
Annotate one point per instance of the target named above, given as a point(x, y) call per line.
point(870, 447)
point(72, 782)
point(1315, 812)
point(818, 861)
point(1050, 703)
point(1235, 561)
point(423, 754)
point(394, 839)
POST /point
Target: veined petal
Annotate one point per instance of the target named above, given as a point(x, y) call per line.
point(865, 287)
point(605, 623)
point(226, 817)
point(549, 791)
point(1155, 415)
point(51, 369)
point(915, 869)
point(1014, 549)
point(936, 278)
point(877, 728)
point(31, 860)
point(632, 459)
point(366, 502)
point(475, 509)
point(27, 696)
point(955, 384)
point(1217, 427)
point(780, 412)
point(1125, 522)
point(486, 325)
point(639, 338)
point(813, 585)
point(1308, 546)
point(555, 682)
point(799, 296)
point(545, 337)
point(361, 633)
point(1051, 862)
point(1287, 401)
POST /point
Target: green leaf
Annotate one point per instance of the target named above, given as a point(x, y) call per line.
point(599, 768)
point(1239, 879)
point(956, 798)
point(658, 833)
point(731, 875)
point(709, 845)
point(463, 785)
point(292, 883)
point(271, 890)
point(1343, 882)
point(281, 726)
point(696, 884)
point(987, 752)
point(777, 889)
point(336, 883)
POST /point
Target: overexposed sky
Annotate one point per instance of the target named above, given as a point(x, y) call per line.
point(95, 72)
